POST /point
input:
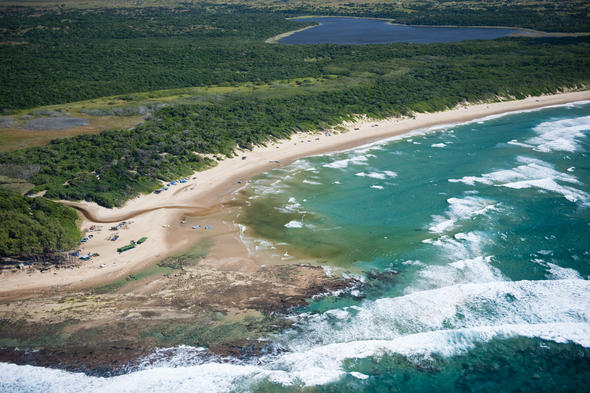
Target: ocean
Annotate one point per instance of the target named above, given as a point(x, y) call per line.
point(472, 243)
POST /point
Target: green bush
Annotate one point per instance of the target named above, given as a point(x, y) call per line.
point(33, 226)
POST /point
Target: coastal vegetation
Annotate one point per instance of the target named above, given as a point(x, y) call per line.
point(35, 226)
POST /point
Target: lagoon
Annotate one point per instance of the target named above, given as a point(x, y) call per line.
point(358, 31)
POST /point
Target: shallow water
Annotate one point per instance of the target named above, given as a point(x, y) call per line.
point(342, 30)
point(473, 242)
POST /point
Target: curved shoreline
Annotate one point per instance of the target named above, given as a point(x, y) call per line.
point(278, 37)
point(160, 216)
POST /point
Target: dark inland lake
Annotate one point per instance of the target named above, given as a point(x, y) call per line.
point(342, 30)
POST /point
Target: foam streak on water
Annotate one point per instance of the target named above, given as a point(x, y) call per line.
point(532, 173)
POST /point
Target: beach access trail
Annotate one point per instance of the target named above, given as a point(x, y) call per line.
point(158, 216)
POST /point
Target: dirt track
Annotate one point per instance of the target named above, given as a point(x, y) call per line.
point(92, 216)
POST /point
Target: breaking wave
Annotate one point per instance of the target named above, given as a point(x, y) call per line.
point(532, 173)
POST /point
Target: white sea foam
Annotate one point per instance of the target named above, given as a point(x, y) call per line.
point(358, 375)
point(253, 244)
point(560, 273)
point(514, 142)
point(323, 364)
point(377, 187)
point(438, 145)
point(344, 163)
point(560, 135)
point(557, 272)
point(292, 206)
point(461, 209)
point(303, 165)
point(318, 365)
point(466, 258)
point(476, 269)
point(209, 377)
point(453, 307)
point(294, 224)
point(315, 183)
point(533, 173)
point(270, 186)
point(414, 263)
point(461, 246)
point(377, 175)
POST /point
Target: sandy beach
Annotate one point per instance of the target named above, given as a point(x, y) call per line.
point(159, 217)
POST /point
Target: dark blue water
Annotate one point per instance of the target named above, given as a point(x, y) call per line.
point(377, 31)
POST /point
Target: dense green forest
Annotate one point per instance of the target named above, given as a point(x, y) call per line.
point(35, 226)
point(113, 166)
point(75, 55)
point(64, 55)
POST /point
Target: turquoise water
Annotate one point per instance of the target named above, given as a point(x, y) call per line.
point(356, 31)
point(473, 242)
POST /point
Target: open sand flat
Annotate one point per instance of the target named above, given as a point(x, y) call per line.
point(159, 216)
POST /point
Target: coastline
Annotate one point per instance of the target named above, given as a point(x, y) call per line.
point(159, 216)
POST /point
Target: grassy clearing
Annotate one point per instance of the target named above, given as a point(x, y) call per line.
point(128, 110)
point(18, 185)
point(15, 138)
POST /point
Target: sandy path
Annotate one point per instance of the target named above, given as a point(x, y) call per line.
point(157, 216)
